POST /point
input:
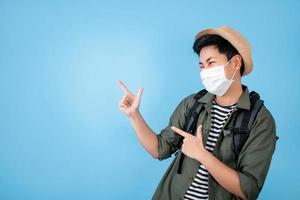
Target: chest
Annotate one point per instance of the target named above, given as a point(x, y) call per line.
point(224, 142)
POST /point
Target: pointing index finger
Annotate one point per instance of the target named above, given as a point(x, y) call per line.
point(179, 131)
point(123, 87)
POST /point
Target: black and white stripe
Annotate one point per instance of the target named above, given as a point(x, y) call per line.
point(199, 187)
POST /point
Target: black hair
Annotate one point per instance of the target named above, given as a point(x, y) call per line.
point(223, 46)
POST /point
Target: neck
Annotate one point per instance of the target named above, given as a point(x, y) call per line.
point(232, 95)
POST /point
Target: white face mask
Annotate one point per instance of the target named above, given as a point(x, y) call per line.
point(214, 79)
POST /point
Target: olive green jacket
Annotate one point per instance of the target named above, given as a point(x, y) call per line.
point(252, 164)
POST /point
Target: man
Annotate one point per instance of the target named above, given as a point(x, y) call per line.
point(211, 168)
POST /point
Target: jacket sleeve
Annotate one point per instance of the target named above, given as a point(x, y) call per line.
point(168, 140)
point(255, 157)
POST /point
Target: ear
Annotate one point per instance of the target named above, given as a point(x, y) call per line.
point(237, 61)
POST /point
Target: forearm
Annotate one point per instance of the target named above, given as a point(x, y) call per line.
point(224, 175)
point(144, 133)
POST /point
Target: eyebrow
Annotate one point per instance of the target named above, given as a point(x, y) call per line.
point(200, 63)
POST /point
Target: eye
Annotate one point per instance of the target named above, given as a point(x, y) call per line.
point(211, 62)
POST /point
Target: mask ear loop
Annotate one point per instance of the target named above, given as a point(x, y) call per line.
point(234, 71)
point(233, 75)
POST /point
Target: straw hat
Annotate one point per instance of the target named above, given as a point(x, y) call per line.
point(237, 40)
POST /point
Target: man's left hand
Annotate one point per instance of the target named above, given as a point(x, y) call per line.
point(192, 145)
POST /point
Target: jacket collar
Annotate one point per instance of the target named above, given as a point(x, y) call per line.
point(243, 103)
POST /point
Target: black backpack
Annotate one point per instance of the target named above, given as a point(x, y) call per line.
point(243, 121)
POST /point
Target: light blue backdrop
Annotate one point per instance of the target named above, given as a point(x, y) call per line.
point(62, 135)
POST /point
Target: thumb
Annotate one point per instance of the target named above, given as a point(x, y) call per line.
point(138, 97)
point(199, 132)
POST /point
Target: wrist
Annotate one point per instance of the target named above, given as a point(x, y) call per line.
point(203, 156)
point(134, 115)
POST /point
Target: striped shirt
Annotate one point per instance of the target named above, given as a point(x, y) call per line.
point(199, 187)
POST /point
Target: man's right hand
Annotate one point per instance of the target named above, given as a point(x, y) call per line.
point(129, 104)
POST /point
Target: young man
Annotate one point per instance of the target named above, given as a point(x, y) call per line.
point(211, 168)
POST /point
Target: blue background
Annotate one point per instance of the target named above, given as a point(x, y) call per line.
point(62, 135)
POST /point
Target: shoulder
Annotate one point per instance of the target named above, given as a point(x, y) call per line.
point(264, 124)
point(190, 99)
point(185, 103)
point(264, 114)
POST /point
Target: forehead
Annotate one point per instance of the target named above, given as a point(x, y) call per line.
point(210, 51)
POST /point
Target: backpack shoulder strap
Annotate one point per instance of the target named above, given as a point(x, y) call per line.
point(191, 117)
point(193, 112)
point(244, 121)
